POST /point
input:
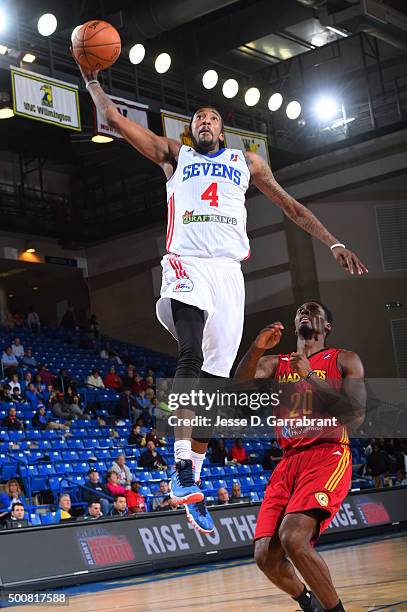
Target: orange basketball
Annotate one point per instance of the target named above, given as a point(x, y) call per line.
point(96, 45)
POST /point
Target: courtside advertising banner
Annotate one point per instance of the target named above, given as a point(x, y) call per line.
point(132, 110)
point(142, 541)
point(177, 127)
point(42, 98)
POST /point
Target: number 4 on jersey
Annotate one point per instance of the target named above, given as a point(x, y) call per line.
point(211, 194)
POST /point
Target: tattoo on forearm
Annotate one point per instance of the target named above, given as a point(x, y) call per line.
point(100, 99)
point(297, 212)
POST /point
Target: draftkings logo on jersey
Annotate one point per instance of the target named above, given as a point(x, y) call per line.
point(295, 377)
point(189, 217)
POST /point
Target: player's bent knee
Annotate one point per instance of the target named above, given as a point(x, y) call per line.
point(293, 542)
point(263, 555)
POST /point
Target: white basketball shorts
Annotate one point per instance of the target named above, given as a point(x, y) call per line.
point(216, 286)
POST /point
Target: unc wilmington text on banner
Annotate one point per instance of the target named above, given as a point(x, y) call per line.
point(177, 126)
point(42, 98)
point(132, 110)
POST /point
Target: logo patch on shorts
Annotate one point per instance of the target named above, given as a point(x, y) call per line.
point(184, 285)
point(322, 499)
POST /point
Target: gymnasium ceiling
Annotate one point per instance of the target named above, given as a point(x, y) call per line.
point(254, 41)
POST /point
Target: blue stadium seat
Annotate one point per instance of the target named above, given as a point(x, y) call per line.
point(28, 470)
point(8, 470)
point(231, 470)
point(256, 468)
point(70, 455)
point(47, 519)
point(46, 469)
point(243, 470)
point(217, 471)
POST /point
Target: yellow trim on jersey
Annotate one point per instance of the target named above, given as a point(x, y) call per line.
point(339, 471)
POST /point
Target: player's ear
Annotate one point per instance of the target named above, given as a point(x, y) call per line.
point(328, 327)
point(222, 137)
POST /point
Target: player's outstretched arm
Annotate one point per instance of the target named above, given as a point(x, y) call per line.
point(264, 180)
point(159, 149)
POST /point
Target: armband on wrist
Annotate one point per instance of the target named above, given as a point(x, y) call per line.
point(92, 82)
point(337, 244)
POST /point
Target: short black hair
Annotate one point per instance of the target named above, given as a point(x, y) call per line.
point(328, 313)
point(93, 501)
point(116, 497)
point(16, 504)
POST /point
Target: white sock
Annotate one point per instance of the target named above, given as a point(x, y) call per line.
point(182, 449)
point(197, 460)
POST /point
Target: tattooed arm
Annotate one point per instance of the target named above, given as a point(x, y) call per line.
point(162, 151)
point(264, 180)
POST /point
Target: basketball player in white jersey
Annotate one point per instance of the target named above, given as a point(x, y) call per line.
point(202, 294)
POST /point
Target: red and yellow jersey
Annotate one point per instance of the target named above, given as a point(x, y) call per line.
point(301, 402)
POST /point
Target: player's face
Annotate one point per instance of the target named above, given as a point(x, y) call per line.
point(206, 128)
point(310, 319)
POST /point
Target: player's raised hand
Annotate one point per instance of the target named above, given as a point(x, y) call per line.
point(299, 363)
point(348, 260)
point(270, 336)
point(87, 75)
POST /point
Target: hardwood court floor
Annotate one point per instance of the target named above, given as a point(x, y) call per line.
point(370, 576)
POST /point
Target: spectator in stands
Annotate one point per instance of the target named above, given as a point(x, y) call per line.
point(142, 401)
point(95, 380)
point(29, 359)
point(18, 319)
point(39, 385)
point(16, 396)
point(65, 380)
point(68, 407)
point(48, 396)
point(119, 466)
point(40, 420)
point(9, 321)
point(127, 407)
point(94, 511)
point(378, 465)
point(33, 320)
point(17, 349)
point(93, 327)
point(16, 516)
point(135, 501)
point(152, 436)
point(162, 500)
point(27, 379)
point(112, 379)
point(9, 361)
point(72, 401)
point(401, 480)
point(135, 437)
point(151, 459)
point(109, 353)
point(128, 378)
point(97, 489)
point(272, 456)
point(150, 383)
point(12, 493)
point(13, 382)
point(238, 452)
point(33, 396)
point(138, 384)
point(68, 321)
point(11, 422)
point(219, 453)
point(113, 486)
point(63, 512)
point(236, 496)
point(119, 506)
point(47, 377)
point(223, 496)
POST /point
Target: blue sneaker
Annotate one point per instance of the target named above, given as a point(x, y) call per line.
point(183, 489)
point(199, 517)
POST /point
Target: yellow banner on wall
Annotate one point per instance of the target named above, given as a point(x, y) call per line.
point(42, 98)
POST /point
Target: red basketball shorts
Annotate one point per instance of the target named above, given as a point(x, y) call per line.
point(317, 478)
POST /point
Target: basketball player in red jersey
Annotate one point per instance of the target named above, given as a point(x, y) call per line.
point(202, 294)
point(309, 484)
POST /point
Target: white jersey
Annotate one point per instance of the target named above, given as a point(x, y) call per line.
point(206, 205)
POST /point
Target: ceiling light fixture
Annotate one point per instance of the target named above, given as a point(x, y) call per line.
point(28, 58)
point(137, 53)
point(210, 79)
point(101, 139)
point(162, 63)
point(230, 88)
point(47, 24)
point(293, 110)
point(252, 96)
point(275, 101)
